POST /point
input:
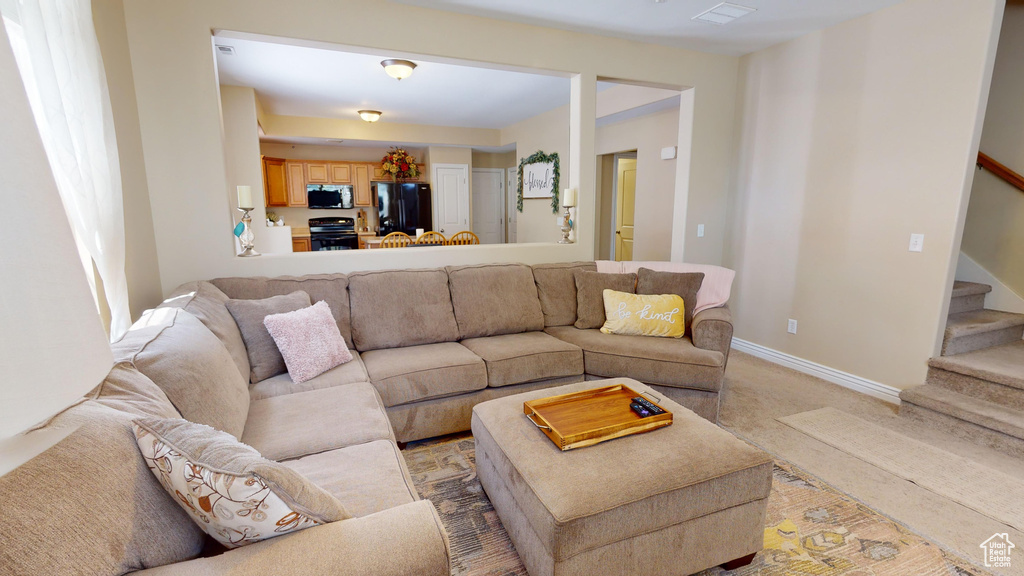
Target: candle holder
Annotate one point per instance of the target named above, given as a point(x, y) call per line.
point(566, 227)
point(247, 237)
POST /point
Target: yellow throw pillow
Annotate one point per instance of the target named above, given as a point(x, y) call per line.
point(643, 314)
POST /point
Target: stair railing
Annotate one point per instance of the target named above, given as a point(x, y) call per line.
point(1011, 177)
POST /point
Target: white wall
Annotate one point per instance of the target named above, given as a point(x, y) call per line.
point(851, 139)
point(548, 133)
point(242, 164)
point(173, 67)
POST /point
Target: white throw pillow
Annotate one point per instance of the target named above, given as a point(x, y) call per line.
point(309, 341)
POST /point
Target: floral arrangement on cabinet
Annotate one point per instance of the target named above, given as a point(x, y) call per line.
point(399, 164)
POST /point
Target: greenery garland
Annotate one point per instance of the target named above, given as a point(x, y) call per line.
point(539, 157)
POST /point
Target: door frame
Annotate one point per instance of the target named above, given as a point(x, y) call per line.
point(615, 196)
point(512, 175)
point(503, 202)
point(435, 191)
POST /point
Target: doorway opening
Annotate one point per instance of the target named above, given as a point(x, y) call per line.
point(616, 178)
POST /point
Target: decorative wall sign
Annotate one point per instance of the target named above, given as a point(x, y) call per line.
point(538, 178)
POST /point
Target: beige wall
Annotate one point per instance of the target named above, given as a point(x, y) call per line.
point(655, 178)
point(242, 155)
point(994, 233)
point(141, 266)
point(851, 139)
point(494, 159)
point(338, 153)
point(173, 66)
point(605, 189)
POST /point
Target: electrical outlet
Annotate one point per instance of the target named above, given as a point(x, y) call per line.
point(700, 230)
point(917, 242)
point(792, 326)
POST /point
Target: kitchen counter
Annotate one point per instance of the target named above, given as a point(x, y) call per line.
point(300, 232)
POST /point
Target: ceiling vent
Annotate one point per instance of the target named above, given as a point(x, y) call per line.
point(226, 50)
point(723, 13)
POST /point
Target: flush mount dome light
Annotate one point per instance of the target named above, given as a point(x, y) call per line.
point(398, 69)
point(370, 115)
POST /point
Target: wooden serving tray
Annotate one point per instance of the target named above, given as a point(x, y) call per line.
point(585, 418)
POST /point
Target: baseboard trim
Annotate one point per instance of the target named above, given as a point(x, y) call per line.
point(844, 379)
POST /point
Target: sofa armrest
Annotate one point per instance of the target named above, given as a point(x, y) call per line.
point(712, 329)
point(407, 540)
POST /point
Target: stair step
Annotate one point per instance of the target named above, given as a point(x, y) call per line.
point(1000, 364)
point(969, 288)
point(994, 425)
point(977, 388)
point(977, 329)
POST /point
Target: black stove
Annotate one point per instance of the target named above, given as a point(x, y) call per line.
point(337, 233)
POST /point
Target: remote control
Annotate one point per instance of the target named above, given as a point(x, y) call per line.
point(640, 410)
point(646, 404)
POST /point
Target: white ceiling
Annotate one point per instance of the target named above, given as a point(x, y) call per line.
point(670, 23)
point(322, 82)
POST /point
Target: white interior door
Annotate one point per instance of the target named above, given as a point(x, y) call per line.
point(511, 214)
point(489, 205)
point(451, 198)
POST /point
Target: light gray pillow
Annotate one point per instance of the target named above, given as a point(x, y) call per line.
point(590, 287)
point(265, 359)
point(232, 492)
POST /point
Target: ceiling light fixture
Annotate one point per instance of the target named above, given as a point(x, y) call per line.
point(370, 115)
point(723, 13)
point(398, 69)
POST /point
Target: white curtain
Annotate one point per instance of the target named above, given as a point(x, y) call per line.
point(55, 45)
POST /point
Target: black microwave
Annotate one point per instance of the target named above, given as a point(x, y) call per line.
point(330, 196)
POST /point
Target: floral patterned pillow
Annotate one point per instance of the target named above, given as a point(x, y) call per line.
point(229, 490)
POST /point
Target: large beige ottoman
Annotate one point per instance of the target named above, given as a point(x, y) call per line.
point(676, 500)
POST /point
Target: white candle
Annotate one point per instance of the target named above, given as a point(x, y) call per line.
point(245, 197)
point(569, 197)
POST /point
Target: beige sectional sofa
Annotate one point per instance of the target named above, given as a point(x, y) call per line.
point(427, 346)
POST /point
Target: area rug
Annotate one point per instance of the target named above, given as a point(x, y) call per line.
point(980, 488)
point(811, 529)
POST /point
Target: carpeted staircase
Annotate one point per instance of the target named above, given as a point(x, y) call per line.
point(975, 390)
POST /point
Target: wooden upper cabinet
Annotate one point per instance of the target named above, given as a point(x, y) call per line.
point(340, 172)
point(296, 172)
point(317, 173)
point(361, 179)
point(275, 181)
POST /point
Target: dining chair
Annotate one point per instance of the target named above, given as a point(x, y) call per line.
point(464, 238)
point(396, 240)
point(432, 238)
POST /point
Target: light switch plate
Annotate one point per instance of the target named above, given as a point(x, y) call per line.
point(917, 242)
point(700, 230)
point(792, 326)
point(668, 153)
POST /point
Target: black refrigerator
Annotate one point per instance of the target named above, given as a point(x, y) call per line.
point(403, 207)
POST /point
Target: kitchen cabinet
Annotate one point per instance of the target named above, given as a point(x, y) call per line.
point(296, 173)
point(317, 173)
point(364, 236)
point(361, 178)
point(340, 172)
point(275, 182)
point(301, 245)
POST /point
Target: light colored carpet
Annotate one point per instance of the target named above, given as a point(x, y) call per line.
point(810, 529)
point(990, 492)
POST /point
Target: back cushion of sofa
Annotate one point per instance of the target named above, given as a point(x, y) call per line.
point(206, 302)
point(556, 287)
point(190, 365)
point(90, 505)
point(331, 288)
point(494, 299)
point(395, 308)
point(128, 390)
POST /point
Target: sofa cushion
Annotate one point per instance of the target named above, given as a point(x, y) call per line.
point(89, 505)
point(413, 373)
point(207, 303)
point(347, 373)
point(366, 478)
point(394, 308)
point(682, 284)
point(191, 366)
point(308, 340)
point(590, 287)
point(664, 361)
point(526, 357)
point(232, 492)
point(296, 425)
point(331, 288)
point(493, 299)
point(265, 359)
point(128, 390)
point(556, 287)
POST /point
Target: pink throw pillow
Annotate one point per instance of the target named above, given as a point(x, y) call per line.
point(309, 341)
